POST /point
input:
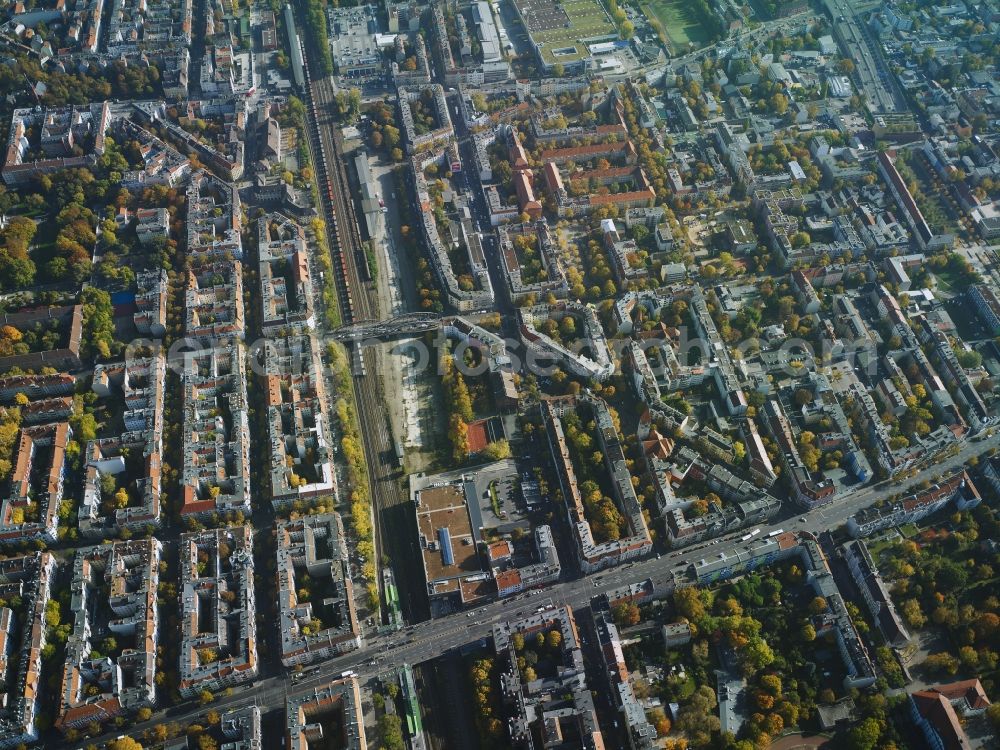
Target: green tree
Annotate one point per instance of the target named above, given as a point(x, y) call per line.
point(865, 736)
point(390, 729)
point(497, 450)
point(98, 323)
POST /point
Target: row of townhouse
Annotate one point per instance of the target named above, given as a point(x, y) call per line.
point(834, 623)
point(30, 510)
point(545, 710)
point(218, 611)
point(27, 580)
point(299, 428)
point(589, 356)
point(430, 96)
point(333, 704)
point(317, 621)
point(113, 595)
point(133, 458)
point(957, 487)
point(530, 262)
point(635, 541)
point(463, 236)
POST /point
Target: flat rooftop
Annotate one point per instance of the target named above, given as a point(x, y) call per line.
point(443, 521)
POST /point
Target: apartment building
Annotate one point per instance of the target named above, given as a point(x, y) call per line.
point(875, 593)
point(46, 411)
point(530, 262)
point(298, 424)
point(834, 623)
point(241, 728)
point(987, 305)
point(160, 163)
point(745, 504)
point(556, 705)
point(335, 705)
point(213, 302)
point(925, 237)
point(916, 506)
point(30, 511)
point(624, 254)
point(724, 371)
point(966, 393)
point(286, 288)
point(37, 386)
point(151, 224)
point(64, 354)
point(628, 186)
point(494, 350)
point(150, 315)
point(133, 458)
point(323, 623)
point(148, 26)
point(512, 580)
point(113, 592)
point(214, 220)
point(595, 364)
point(635, 541)
point(463, 238)
point(218, 612)
point(941, 713)
point(25, 584)
point(226, 155)
point(216, 432)
point(58, 130)
point(431, 97)
point(640, 732)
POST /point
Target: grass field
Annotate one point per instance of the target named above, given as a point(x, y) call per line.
point(679, 21)
point(588, 19)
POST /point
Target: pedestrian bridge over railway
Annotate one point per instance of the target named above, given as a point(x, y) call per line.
point(390, 328)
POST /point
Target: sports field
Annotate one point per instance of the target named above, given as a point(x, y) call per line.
point(560, 30)
point(679, 20)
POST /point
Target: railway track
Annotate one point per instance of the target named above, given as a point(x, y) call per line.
point(393, 536)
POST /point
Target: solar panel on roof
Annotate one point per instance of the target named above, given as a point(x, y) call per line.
point(444, 538)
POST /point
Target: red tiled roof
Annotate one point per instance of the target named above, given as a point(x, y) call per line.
point(507, 579)
point(940, 714)
point(971, 690)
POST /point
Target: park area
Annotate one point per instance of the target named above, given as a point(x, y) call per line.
point(681, 22)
